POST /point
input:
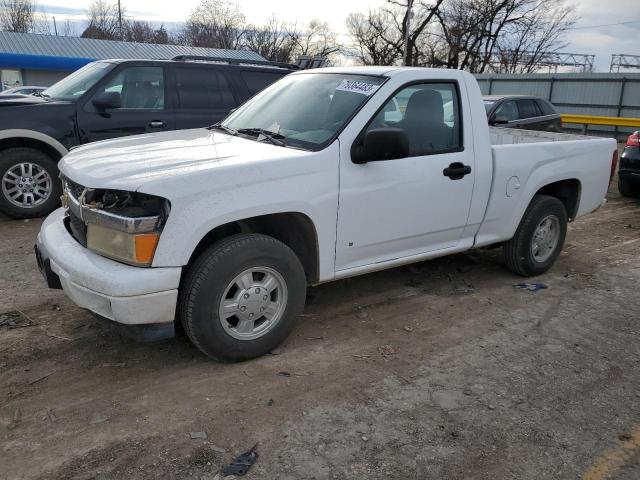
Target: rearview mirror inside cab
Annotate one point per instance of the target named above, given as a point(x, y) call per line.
point(381, 144)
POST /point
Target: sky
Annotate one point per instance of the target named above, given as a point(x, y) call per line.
point(585, 38)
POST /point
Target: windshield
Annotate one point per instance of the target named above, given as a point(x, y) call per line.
point(305, 110)
point(488, 104)
point(73, 86)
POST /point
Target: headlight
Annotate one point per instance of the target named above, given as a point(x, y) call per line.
point(123, 226)
point(132, 248)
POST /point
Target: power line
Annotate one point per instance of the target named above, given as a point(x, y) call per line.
point(605, 25)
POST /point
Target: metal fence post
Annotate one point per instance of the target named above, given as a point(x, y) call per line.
point(620, 100)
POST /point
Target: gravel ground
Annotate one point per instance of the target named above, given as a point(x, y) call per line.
point(440, 370)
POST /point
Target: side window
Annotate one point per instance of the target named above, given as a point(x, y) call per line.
point(257, 81)
point(203, 88)
point(545, 107)
point(429, 115)
point(528, 108)
point(508, 111)
point(139, 88)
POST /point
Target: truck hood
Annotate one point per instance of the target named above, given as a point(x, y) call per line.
point(142, 162)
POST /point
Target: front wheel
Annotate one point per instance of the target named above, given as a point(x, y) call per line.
point(30, 184)
point(539, 237)
point(242, 297)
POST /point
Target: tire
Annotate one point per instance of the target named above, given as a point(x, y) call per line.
point(36, 164)
point(214, 278)
point(626, 189)
point(519, 252)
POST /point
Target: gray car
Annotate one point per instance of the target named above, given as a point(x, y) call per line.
point(522, 111)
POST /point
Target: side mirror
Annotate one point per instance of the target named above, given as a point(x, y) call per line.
point(381, 144)
point(499, 120)
point(106, 100)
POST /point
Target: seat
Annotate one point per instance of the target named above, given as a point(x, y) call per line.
point(424, 123)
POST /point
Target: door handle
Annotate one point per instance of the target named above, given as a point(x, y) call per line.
point(157, 124)
point(456, 171)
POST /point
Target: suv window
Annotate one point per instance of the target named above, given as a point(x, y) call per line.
point(203, 88)
point(257, 81)
point(528, 108)
point(507, 110)
point(428, 113)
point(139, 88)
point(545, 107)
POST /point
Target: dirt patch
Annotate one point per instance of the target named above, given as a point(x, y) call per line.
point(437, 370)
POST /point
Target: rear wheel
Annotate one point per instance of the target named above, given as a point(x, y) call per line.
point(626, 188)
point(30, 186)
point(539, 237)
point(242, 297)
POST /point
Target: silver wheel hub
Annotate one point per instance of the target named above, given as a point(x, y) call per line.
point(545, 238)
point(27, 185)
point(253, 303)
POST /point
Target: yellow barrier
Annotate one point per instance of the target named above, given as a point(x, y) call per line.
point(595, 120)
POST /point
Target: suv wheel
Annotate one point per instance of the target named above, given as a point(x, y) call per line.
point(539, 237)
point(242, 297)
point(30, 186)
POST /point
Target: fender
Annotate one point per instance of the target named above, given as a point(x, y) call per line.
point(41, 137)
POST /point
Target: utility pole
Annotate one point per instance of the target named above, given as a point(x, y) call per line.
point(119, 20)
point(406, 33)
point(55, 27)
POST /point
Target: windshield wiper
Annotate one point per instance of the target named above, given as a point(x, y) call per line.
point(219, 126)
point(272, 137)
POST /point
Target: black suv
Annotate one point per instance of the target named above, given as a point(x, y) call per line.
point(113, 98)
point(520, 111)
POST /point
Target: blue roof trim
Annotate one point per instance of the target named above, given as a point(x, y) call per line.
point(42, 62)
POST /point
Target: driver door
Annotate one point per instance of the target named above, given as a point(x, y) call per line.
point(408, 206)
point(142, 91)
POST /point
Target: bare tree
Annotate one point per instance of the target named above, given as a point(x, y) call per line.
point(374, 37)
point(382, 33)
point(414, 28)
point(143, 32)
point(275, 41)
point(214, 24)
point(318, 40)
point(474, 35)
point(66, 29)
point(529, 41)
point(103, 21)
point(17, 15)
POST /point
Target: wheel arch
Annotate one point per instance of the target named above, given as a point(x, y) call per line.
point(28, 138)
point(567, 191)
point(294, 229)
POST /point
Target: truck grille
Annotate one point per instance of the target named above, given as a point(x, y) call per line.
point(76, 227)
point(73, 188)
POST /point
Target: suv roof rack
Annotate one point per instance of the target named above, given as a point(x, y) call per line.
point(308, 61)
point(235, 61)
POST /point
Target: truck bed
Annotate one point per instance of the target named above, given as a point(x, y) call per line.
point(523, 161)
point(507, 136)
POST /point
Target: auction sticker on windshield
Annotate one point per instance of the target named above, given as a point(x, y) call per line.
point(357, 86)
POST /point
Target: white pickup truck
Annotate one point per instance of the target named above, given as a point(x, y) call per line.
point(325, 175)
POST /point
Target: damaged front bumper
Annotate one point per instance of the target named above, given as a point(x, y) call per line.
point(121, 293)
